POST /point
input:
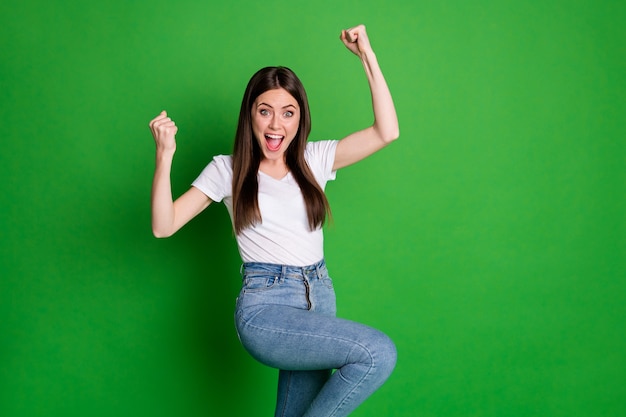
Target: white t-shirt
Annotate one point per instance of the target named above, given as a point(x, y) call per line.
point(284, 236)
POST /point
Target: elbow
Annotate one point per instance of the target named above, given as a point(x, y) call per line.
point(391, 135)
point(387, 133)
point(161, 234)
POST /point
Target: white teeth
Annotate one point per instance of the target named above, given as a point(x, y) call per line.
point(274, 136)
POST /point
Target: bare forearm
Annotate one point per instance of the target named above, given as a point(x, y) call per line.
point(162, 202)
point(385, 118)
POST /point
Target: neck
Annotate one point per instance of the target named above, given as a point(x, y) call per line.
point(275, 168)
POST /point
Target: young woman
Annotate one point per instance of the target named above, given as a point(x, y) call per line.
point(273, 188)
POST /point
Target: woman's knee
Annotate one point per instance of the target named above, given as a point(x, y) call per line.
point(387, 354)
point(376, 351)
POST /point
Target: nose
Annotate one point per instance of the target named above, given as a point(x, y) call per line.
point(275, 121)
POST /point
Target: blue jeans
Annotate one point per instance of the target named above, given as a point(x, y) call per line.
point(285, 318)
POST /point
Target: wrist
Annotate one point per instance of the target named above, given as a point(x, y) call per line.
point(367, 55)
point(165, 154)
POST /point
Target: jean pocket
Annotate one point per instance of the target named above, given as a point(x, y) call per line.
point(258, 284)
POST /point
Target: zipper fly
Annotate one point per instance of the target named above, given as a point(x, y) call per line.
point(307, 289)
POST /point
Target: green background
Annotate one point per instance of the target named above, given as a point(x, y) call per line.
point(488, 241)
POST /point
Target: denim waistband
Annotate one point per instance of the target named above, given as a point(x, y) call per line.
point(317, 270)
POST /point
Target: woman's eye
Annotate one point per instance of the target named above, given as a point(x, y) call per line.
point(288, 113)
point(264, 112)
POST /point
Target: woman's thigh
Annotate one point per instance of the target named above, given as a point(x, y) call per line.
point(294, 339)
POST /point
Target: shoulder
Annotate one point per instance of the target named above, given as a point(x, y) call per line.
point(320, 156)
point(222, 164)
point(215, 180)
point(320, 149)
point(225, 161)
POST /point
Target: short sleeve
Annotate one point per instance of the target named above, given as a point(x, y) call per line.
point(216, 179)
point(320, 156)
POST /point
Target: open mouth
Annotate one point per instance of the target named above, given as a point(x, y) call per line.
point(273, 141)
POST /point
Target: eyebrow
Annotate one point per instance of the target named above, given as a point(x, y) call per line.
point(284, 107)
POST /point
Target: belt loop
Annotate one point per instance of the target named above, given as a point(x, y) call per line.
point(317, 271)
point(241, 271)
point(304, 272)
point(283, 273)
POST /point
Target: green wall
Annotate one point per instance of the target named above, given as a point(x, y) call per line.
point(489, 241)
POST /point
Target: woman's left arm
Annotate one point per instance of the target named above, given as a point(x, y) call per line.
point(363, 143)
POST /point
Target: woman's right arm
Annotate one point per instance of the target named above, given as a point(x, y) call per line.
point(169, 216)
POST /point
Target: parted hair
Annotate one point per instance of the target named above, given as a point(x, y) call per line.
point(247, 153)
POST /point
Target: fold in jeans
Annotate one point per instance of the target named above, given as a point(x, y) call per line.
point(285, 318)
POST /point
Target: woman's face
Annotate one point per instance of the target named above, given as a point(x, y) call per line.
point(275, 121)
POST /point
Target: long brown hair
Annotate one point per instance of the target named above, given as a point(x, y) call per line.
point(247, 154)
